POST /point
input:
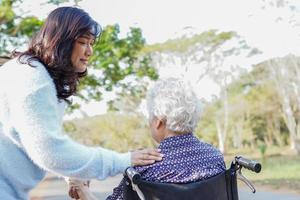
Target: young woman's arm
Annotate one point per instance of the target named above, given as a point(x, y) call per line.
point(36, 117)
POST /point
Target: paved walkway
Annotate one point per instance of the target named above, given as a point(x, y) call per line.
point(54, 188)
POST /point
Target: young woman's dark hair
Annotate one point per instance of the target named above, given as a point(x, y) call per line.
point(53, 45)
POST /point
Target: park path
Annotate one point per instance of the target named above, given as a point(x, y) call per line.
point(53, 188)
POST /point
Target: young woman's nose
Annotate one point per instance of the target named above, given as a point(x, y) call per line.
point(89, 50)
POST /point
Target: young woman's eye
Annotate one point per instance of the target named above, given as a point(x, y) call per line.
point(86, 43)
point(81, 42)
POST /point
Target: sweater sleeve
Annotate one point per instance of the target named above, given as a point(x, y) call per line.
point(36, 119)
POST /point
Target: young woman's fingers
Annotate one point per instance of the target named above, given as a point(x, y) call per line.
point(73, 193)
point(144, 162)
point(145, 156)
point(147, 162)
point(154, 152)
point(151, 157)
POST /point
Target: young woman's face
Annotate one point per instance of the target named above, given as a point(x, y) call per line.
point(82, 51)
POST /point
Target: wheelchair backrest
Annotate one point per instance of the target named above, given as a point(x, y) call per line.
point(220, 187)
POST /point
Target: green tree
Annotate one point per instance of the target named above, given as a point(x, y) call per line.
point(15, 29)
point(117, 63)
point(256, 115)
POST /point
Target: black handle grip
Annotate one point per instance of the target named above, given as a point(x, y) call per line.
point(248, 164)
point(133, 175)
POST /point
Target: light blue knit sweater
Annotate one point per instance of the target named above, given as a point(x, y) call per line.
point(31, 139)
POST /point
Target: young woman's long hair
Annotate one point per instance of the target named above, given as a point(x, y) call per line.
point(53, 45)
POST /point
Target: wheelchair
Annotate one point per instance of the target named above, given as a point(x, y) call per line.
point(220, 187)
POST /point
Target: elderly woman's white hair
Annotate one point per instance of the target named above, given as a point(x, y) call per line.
point(173, 101)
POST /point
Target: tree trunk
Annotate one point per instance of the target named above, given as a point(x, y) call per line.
point(280, 71)
point(237, 139)
point(276, 132)
point(222, 127)
point(221, 138)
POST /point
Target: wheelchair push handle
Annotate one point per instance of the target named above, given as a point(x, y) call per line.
point(133, 175)
point(248, 164)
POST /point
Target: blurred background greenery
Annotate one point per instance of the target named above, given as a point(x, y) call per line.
point(256, 113)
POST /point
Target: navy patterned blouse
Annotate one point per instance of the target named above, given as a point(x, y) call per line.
point(186, 159)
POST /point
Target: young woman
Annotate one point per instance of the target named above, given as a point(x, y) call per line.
point(34, 87)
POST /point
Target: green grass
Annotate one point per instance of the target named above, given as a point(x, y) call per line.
point(280, 169)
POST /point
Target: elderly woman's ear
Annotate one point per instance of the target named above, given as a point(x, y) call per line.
point(158, 123)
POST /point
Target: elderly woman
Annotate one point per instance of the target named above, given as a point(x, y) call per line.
point(173, 110)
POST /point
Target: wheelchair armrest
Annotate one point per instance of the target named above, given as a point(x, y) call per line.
point(248, 164)
point(133, 175)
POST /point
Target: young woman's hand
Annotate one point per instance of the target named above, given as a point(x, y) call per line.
point(76, 186)
point(145, 156)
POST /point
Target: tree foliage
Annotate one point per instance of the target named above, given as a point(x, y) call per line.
point(114, 131)
point(117, 63)
point(15, 28)
point(256, 114)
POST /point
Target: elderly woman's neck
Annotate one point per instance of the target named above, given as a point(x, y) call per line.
point(169, 133)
